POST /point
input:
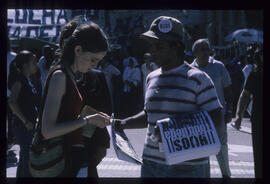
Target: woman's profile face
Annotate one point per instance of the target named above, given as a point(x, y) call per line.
point(86, 60)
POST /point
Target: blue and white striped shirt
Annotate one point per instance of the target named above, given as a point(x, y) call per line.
point(168, 93)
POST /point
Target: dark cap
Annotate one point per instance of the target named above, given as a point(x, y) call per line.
point(165, 28)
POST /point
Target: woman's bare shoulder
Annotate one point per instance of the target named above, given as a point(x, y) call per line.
point(58, 76)
point(57, 82)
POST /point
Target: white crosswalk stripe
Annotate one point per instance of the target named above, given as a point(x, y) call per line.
point(112, 167)
point(238, 168)
point(233, 163)
point(212, 161)
point(118, 167)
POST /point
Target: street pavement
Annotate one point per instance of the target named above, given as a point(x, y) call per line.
point(240, 156)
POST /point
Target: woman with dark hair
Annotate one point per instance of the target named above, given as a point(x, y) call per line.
point(62, 101)
point(24, 102)
point(95, 93)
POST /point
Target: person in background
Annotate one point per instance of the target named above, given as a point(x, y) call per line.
point(222, 81)
point(254, 89)
point(132, 80)
point(128, 56)
point(24, 103)
point(95, 93)
point(147, 68)
point(174, 88)
point(115, 60)
point(62, 99)
point(235, 70)
point(116, 56)
point(189, 57)
point(250, 65)
point(248, 68)
point(111, 74)
point(44, 63)
point(10, 137)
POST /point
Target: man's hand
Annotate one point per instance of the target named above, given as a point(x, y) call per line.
point(98, 120)
point(139, 120)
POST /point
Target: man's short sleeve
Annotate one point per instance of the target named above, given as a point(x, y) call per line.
point(206, 95)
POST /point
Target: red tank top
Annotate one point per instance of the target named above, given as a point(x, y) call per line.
point(70, 108)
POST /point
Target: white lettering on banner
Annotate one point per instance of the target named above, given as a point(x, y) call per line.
point(44, 17)
point(41, 24)
point(34, 31)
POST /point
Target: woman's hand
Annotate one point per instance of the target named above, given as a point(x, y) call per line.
point(98, 120)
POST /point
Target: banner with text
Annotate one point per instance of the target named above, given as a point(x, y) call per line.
point(42, 24)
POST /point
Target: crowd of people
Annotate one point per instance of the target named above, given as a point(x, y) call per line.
point(165, 80)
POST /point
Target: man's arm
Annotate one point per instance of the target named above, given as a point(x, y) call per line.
point(242, 104)
point(137, 121)
point(241, 107)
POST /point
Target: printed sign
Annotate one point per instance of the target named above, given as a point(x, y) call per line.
point(188, 137)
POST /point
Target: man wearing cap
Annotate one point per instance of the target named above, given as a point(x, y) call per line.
point(222, 81)
point(174, 88)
